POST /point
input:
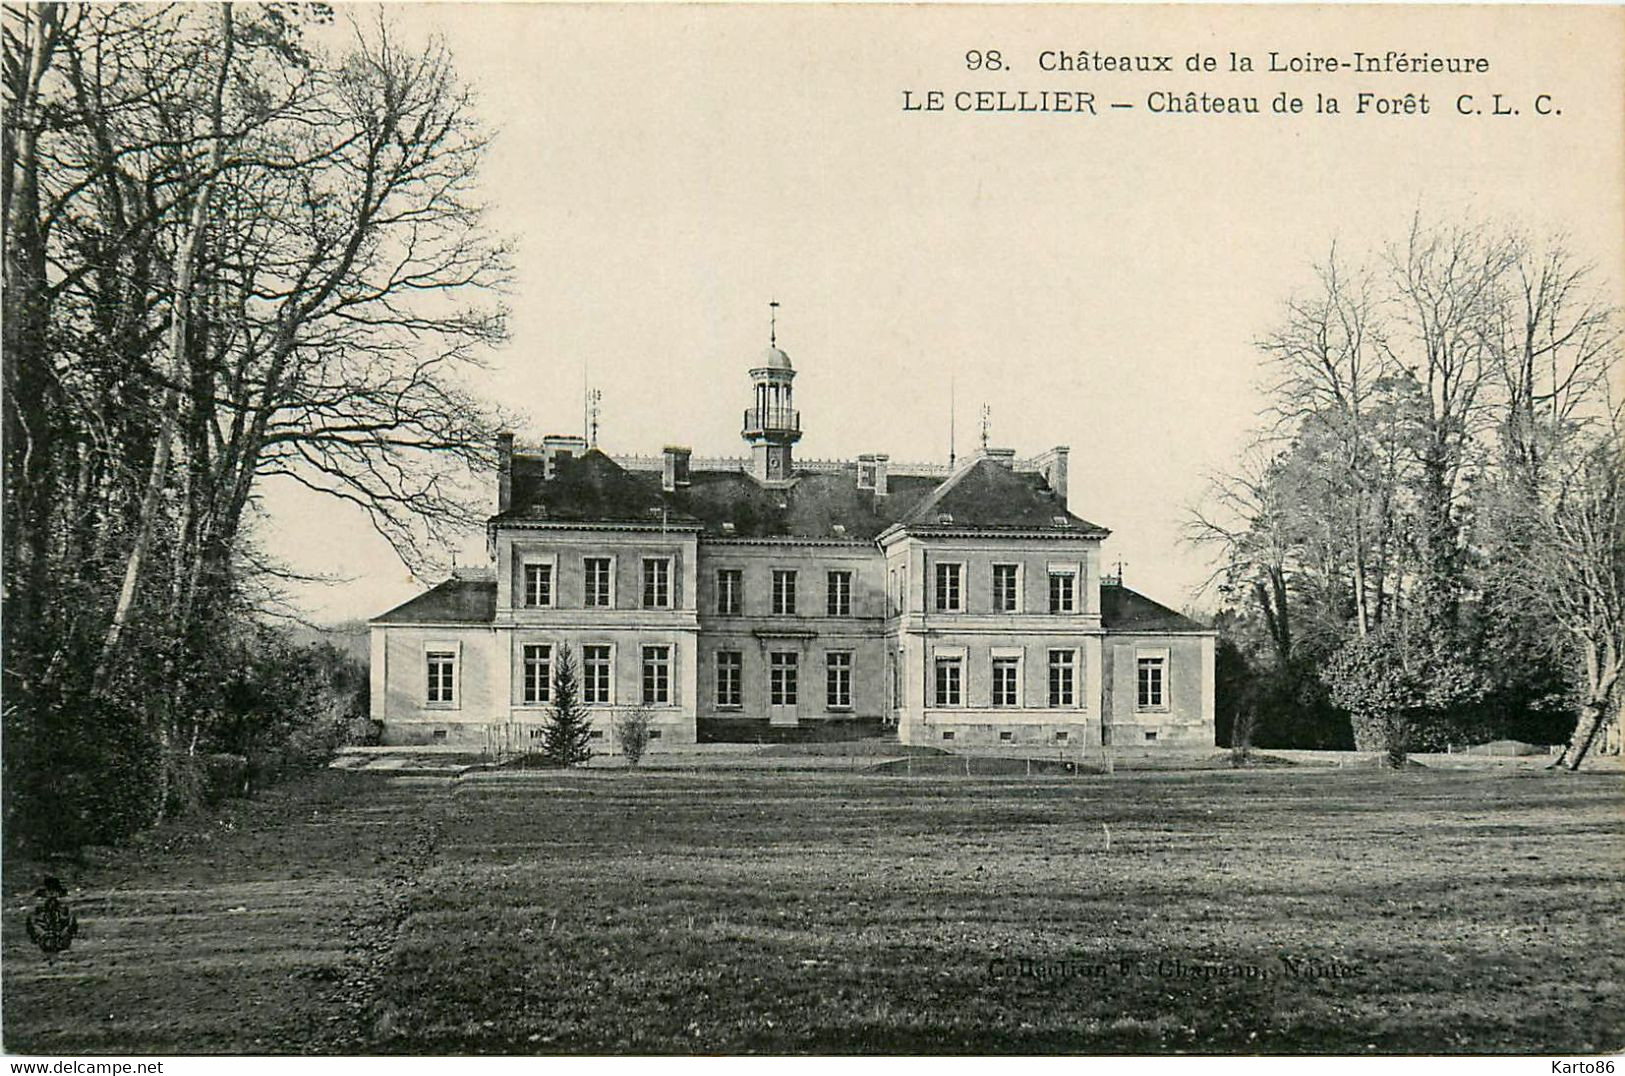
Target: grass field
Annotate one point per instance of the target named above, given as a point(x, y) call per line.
point(1292, 910)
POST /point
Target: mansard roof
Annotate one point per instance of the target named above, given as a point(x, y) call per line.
point(469, 598)
point(1125, 610)
point(982, 495)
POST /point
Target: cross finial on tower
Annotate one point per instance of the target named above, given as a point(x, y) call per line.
point(773, 323)
point(987, 423)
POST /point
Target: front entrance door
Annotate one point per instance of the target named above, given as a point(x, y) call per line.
point(783, 687)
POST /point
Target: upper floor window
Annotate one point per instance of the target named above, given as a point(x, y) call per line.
point(730, 588)
point(950, 596)
point(784, 592)
point(596, 684)
point(1063, 590)
point(729, 666)
point(1152, 682)
point(840, 594)
point(596, 581)
point(442, 670)
point(1006, 592)
point(657, 583)
point(1062, 678)
point(538, 585)
point(538, 678)
point(838, 667)
point(656, 675)
point(950, 681)
point(1006, 680)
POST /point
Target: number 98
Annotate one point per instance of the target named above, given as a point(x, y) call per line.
point(977, 60)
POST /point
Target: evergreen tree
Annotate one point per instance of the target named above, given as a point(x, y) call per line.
point(566, 739)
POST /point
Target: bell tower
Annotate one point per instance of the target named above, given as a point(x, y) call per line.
point(772, 423)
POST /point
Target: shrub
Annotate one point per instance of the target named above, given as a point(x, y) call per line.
point(632, 733)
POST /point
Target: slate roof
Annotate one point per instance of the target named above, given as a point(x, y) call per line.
point(981, 495)
point(459, 600)
point(1125, 610)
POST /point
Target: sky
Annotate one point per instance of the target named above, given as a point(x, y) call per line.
point(1096, 281)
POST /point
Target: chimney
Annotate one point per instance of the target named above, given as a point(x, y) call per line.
point(1054, 469)
point(872, 472)
point(1004, 457)
point(674, 467)
point(504, 471)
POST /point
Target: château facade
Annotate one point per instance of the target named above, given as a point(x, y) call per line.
point(763, 598)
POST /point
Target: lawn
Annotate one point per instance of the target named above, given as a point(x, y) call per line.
point(677, 911)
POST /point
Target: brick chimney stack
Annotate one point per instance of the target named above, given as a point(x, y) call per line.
point(504, 471)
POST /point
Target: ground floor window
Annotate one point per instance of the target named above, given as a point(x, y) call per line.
point(950, 681)
point(1062, 678)
point(781, 679)
point(729, 688)
point(538, 678)
point(1006, 676)
point(656, 675)
point(595, 678)
point(442, 668)
point(839, 676)
point(1153, 675)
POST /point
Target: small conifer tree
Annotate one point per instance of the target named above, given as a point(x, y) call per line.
point(566, 738)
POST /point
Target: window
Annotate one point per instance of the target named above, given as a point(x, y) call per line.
point(538, 585)
point(1150, 735)
point(1007, 736)
point(595, 678)
point(948, 594)
point(595, 583)
point(784, 592)
point(948, 735)
point(657, 583)
point(1006, 676)
point(438, 734)
point(538, 678)
point(596, 734)
point(781, 682)
point(442, 672)
point(866, 476)
point(840, 593)
point(1152, 682)
point(656, 675)
point(1005, 588)
point(538, 733)
point(729, 587)
point(1062, 678)
point(838, 669)
point(654, 734)
point(950, 681)
point(1063, 590)
point(1060, 737)
point(729, 666)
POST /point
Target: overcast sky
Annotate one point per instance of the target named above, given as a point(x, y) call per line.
point(1098, 282)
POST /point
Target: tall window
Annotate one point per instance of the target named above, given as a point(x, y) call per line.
point(538, 678)
point(729, 665)
point(1004, 588)
point(1063, 591)
point(1062, 678)
point(840, 594)
point(656, 583)
point(596, 581)
point(442, 673)
point(1006, 674)
point(784, 592)
point(730, 585)
point(949, 597)
point(838, 679)
point(595, 678)
point(1152, 683)
point(538, 585)
point(781, 678)
point(656, 675)
point(950, 681)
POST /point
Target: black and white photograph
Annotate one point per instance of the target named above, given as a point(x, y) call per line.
point(585, 530)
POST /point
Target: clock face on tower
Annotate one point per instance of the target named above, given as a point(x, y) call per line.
point(772, 463)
